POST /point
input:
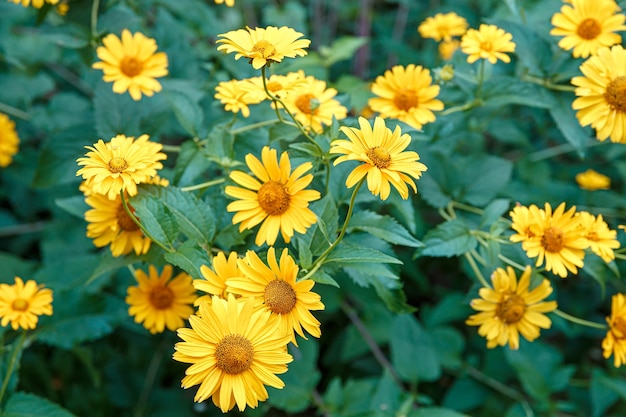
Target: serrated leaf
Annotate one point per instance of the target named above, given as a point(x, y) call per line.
point(190, 163)
point(155, 218)
point(188, 257)
point(22, 404)
point(115, 113)
point(384, 227)
point(488, 176)
point(346, 253)
point(69, 331)
point(322, 277)
point(448, 239)
point(500, 91)
point(494, 211)
point(410, 344)
point(187, 111)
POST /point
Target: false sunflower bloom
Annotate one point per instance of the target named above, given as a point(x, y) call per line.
point(442, 27)
point(263, 46)
point(37, 4)
point(523, 218)
point(510, 309)
point(592, 180)
point(214, 282)
point(279, 85)
point(277, 197)
point(602, 240)
point(406, 94)
point(158, 302)
point(234, 98)
point(615, 341)
point(234, 351)
point(601, 93)
point(488, 42)
point(274, 287)
point(384, 159)
point(9, 141)
point(120, 164)
point(21, 304)
point(588, 26)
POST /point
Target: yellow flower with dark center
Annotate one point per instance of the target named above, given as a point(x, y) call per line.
point(21, 304)
point(406, 94)
point(523, 217)
point(488, 42)
point(592, 180)
point(158, 302)
point(263, 46)
point(615, 341)
point(274, 287)
point(234, 351)
point(120, 164)
point(278, 85)
point(132, 64)
point(37, 4)
point(9, 141)
point(510, 309)
point(277, 197)
point(109, 224)
point(234, 98)
point(601, 93)
point(214, 282)
point(384, 159)
point(443, 26)
point(588, 26)
point(602, 240)
point(313, 105)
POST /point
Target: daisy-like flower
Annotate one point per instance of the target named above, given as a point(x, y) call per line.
point(214, 282)
point(601, 93)
point(120, 164)
point(21, 304)
point(37, 4)
point(234, 351)
point(158, 302)
point(448, 48)
point(443, 26)
point(109, 224)
point(488, 42)
point(313, 105)
point(602, 240)
point(274, 287)
point(132, 64)
point(406, 94)
point(510, 309)
point(523, 218)
point(234, 98)
point(9, 141)
point(592, 180)
point(615, 341)
point(229, 3)
point(263, 46)
point(279, 85)
point(588, 26)
point(384, 159)
point(276, 197)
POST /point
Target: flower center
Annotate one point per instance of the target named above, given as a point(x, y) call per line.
point(615, 94)
point(619, 324)
point(264, 48)
point(274, 86)
point(279, 296)
point(405, 99)
point(234, 354)
point(552, 240)
point(19, 304)
point(161, 297)
point(118, 164)
point(589, 29)
point(379, 157)
point(130, 66)
point(307, 103)
point(273, 198)
point(511, 309)
point(486, 46)
point(124, 221)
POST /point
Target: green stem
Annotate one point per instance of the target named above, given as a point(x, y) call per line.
point(481, 78)
point(151, 375)
point(21, 229)
point(12, 111)
point(7, 377)
point(203, 185)
point(547, 83)
point(171, 148)
point(577, 320)
point(463, 107)
point(477, 272)
point(254, 126)
point(138, 223)
point(559, 150)
point(94, 21)
point(467, 207)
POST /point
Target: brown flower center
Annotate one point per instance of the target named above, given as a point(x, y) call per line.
point(118, 164)
point(511, 308)
point(234, 354)
point(552, 240)
point(124, 221)
point(279, 296)
point(486, 46)
point(589, 29)
point(264, 48)
point(405, 99)
point(131, 66)
point(273, 198)
point(619, 324)
point(379, 157)
point(19, 304)
point(615, 94)
point(307, 103)
point(161, 298)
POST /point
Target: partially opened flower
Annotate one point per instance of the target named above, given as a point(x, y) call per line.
point(214, 280)
point(9, 141)
point(448, 48)
point(131, 63)
point(615, 341)
point(234, 98)
point(21, 304)
point(488, 42)
point(37, 4)
point(592, 180)
point(442, 27)
point(602, 240)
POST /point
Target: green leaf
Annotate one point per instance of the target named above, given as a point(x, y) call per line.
point(450, 308)
point(69, 331)
point(482, 178)
point(342, 48)
point(14, 266)
point(190, 164)
point(322, 277)
point(383, 227)
point(494, 211)
point(187, 111)
point(22, 404)
point(435, 412)
point(565, 119)
point(115, 113)
point(533, 50)
point(188, 257)
point(387, 394)
point(410, 344)
point(346, 253)
point(394, 298)
point(501, 91)
point(448, 239)
point(155, 218)
point(603, 395)
point(449, 344)
point(465, 394)
point(75, 206)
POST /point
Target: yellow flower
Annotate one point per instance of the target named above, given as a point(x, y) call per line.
point(21, 304)
point(120, 164)
point(313, 105)
point(588, 26)
point(448, 48)
point(109, 224)
point(158, 302)
point(214, 282)
point(229, 3)
point(234, 351)
point(263, 46)
point(601, 93)
point(601, 239)
point(279, 85)
point(274, 287)
point(523, 218)
point(276, 197)
point(384, 159)
point(9, 141)
point(509, 308)
point(488, 42)
point(406, 94)
point(234, 98)
point(443, 26)
point(615, 341)
point(37, 4)
point(592, 180)
point(62, 8)
point(131, 63)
